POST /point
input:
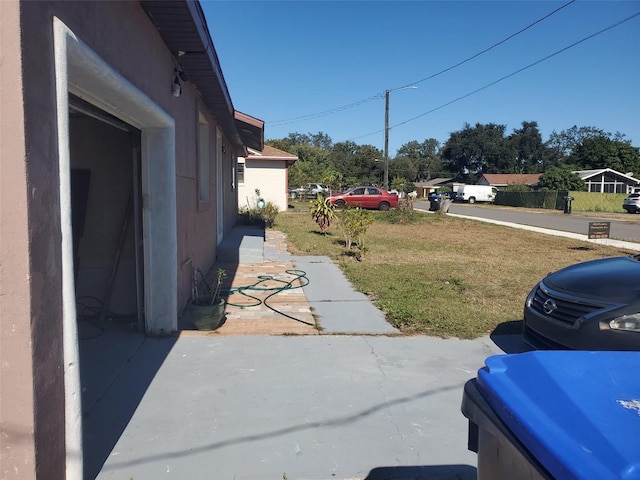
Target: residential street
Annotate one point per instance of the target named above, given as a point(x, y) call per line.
point(623, 227)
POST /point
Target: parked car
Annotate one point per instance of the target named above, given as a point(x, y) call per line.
point(365, 197)
point(632, 203)
point(593, 305)
point(310, 190)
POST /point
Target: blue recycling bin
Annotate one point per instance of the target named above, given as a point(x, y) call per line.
point(556, 415)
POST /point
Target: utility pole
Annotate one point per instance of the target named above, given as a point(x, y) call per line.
point(386, 139)
point(386, 133)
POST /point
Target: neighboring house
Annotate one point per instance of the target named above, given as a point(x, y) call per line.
point(423, 189)
point(119, 147)
point(606, 180)
point(501, 180)
point(266, 171)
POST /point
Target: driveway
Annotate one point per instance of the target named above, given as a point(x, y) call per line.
point(357, 401)
point(296, 407)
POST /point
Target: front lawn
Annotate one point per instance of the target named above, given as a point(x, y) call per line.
point(440, 275)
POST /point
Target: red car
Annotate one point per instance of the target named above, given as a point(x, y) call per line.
point(365, 197)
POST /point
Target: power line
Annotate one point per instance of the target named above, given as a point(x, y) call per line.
point(279, 123)
point(492, 46)
point(287, 121)
point(506, 76)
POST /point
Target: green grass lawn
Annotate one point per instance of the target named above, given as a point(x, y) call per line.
point(439, 275)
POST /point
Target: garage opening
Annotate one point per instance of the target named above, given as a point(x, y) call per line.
point(106, 221)
point(79, 71)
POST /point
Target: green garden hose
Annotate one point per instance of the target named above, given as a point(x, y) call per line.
point(300, 278)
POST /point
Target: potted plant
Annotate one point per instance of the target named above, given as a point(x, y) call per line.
point(269, 213)
point(207, 311)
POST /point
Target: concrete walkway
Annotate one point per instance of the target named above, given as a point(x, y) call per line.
point(275, 293)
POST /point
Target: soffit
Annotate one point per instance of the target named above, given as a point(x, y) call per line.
point(251, 130)
point(183, 28)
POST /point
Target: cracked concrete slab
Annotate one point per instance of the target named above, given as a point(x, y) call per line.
point(323, 407)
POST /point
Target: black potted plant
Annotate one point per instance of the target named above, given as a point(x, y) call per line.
point(207, 311)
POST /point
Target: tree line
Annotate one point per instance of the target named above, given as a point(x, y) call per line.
point(466, 155)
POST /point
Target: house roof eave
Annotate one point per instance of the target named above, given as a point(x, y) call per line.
point(586, 174)
point(271, 154)
point(183, 28)
point(251, 130)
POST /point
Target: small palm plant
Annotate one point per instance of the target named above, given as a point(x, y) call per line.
point(323, 212)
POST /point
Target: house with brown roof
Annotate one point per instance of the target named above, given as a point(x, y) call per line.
point(265, 171)
point(501, 180)
point(423, 189)
point(119, 151)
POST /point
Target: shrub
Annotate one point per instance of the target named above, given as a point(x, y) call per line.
point(269, 213)
point(354, 222)
point(322, 212)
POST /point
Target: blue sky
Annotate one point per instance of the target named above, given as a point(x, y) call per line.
point(331, 63)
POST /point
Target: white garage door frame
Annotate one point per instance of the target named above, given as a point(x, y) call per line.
point(81, 71)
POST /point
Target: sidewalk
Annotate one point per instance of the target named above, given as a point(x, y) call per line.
point(285, 294)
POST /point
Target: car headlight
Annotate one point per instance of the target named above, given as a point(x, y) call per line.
point(629, 323)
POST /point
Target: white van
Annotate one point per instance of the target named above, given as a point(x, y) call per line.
point(476, 193)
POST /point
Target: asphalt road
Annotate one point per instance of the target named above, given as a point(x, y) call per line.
point(626, 229)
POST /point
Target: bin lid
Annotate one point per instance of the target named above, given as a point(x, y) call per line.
point(577, 412)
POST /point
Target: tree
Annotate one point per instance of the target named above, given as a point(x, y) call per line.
point(311, 166)
point(424, 156)
point(320, 140)
point(333, 179)
point(402, 185)
point(481, 149)
point(529, 149)
point(603, 152)
point(565, 142)
point(357, 163)
point(561, 178)
point(313, 155)
point(402, 167)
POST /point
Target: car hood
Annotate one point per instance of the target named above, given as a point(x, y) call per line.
point(615, 279)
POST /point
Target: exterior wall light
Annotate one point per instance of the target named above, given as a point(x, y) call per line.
point(176, 88)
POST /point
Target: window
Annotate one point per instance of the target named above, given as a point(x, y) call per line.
point(204, 160)
point(240, 172)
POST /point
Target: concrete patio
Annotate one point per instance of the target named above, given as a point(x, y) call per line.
point(271, 397)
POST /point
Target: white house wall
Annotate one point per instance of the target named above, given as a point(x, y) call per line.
point(268, 176)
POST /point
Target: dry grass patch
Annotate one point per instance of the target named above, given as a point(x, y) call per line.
point(442, 275)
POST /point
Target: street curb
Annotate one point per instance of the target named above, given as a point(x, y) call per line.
point(558, 233)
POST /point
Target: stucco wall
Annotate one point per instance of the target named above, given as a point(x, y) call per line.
point(95, 23)
point(17, 452)
point(150, 67)
point(121, 34)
